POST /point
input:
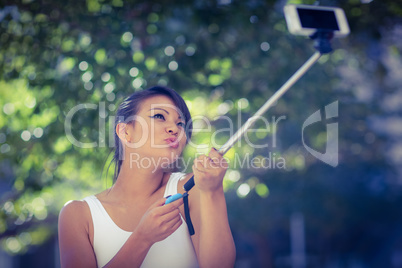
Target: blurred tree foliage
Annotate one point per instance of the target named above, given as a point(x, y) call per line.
point(225, 58)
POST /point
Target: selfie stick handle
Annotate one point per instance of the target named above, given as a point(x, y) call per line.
point(233, 139)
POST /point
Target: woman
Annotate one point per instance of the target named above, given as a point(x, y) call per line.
point(129, 225)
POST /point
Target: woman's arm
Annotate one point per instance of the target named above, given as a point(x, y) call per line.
point(74, 244)
point(213, 240)
point(74, 237)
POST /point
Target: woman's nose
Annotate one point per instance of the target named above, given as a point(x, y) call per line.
point(172, 129)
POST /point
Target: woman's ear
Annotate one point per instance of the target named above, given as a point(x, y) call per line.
point(123, 132)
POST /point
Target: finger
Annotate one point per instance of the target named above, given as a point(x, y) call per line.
point(205, 162)
point(216, 157)
point(222, 163)
point(173, 226)
point(202, 160)
point(171, 206)
point(198, 168)
point(177, 203)
point(175, 221)
point(199, 163)
point(215, 154)
point(177, 224)
point(214, 162)
point(158, 203)
point(170, 217)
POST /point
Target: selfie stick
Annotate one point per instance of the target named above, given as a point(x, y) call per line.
point(233, 139)
point(322, 45)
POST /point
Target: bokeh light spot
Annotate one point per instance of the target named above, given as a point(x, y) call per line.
point(265, 46)
point(169, 51)
point(262, 190)
point(173, 65)
point(26, 135)
point(243, 190)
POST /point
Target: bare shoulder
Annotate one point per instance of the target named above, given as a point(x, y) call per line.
point(74, 222)
point(74, 205)
point(76, 235)
point(76, 211)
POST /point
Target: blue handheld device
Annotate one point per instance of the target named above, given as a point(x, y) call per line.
point(172, 198)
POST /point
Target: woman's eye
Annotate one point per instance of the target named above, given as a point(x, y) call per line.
point(181, 124)
point(158, 116)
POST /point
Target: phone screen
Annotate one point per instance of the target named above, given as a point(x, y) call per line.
point(318, 19)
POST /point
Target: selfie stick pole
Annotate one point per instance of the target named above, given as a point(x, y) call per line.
point(292, 80)
point(322, 45)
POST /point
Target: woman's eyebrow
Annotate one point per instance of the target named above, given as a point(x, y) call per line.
point(159, 109)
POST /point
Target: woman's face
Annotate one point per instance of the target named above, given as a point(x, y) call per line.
point(157, 134)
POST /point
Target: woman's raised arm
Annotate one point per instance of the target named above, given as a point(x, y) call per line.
point(213, 239)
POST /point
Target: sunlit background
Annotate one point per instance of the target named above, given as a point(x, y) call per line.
point(226, 58)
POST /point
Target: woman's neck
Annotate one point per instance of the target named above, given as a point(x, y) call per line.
point(135, 183)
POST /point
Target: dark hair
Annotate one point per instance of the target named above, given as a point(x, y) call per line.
point(129, 108)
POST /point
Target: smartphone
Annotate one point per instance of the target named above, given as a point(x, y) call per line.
point(306, 20)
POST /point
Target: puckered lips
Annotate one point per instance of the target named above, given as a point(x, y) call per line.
point(172, 142)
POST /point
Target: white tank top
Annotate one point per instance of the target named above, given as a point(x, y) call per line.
point(175, 251)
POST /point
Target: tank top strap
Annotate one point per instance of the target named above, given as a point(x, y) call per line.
point(94, 205)
point(171, 186)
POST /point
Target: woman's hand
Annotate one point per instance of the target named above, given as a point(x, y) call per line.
point(159, 221)
point(209, 171)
